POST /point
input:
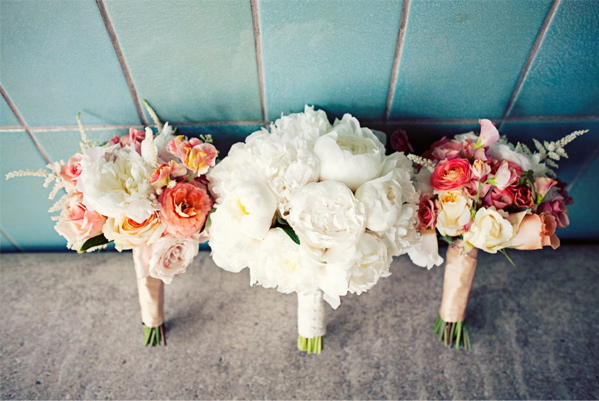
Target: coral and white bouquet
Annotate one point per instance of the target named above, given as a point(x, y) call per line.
point(140, 192)
point(312, 208)
point(480, 192)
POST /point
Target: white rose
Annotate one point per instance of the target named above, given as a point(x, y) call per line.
point(454, 213)
point(171, 256)
point(371, 262)
point(349, 154)
point(490, 231)
point(115, 181)
point(326, 216)
point(382, 199)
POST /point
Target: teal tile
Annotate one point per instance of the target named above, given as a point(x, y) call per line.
point(6, 245)
point(462, 58)
point(24, 201)
point(564, 76)
point(584, 214)
point(61, 145)
point(337, 55)
point(57, 60)
point(192, 60)
point(224, 136)
point(7, 117)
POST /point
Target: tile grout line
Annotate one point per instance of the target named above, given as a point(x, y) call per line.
point(582, 169)
point(259, 63)
point(11, 240)
point(119, 54)
point(531, 56)
point(401, 35)
point(24, 125)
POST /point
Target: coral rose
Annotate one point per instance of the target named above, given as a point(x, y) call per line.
point(452, 174)
point(184, 209)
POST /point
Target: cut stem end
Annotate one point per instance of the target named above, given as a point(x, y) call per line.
point(452, 333)
point(154, 336)
point(310, 345)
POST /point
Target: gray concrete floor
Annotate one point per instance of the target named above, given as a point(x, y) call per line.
point(71, 330)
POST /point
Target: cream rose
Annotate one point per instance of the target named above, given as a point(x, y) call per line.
point(490, 231)
point(127, 233)
point(171, 256)
point(454, 213)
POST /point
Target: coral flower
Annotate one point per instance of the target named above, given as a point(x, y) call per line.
point(184, 209)
point(451, 175)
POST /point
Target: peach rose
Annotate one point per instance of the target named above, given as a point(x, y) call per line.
point(451, 175)
point(71, 171)
point(536, 231)
point(127, 233)
point(77, 223)
point(184, 209)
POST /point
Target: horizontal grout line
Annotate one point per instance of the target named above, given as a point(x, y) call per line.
point(12, 241)
point(12, 128)
point(550, 118)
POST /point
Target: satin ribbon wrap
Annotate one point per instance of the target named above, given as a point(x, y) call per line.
point(150, 290)
point(311, 315)
point(457, 282)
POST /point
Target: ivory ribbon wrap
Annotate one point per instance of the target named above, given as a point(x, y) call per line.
point(311, 315)
point(150, 290)
point(457, 282)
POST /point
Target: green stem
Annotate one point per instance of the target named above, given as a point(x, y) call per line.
point(310, 345)
point(452, 333)
point(154, 336)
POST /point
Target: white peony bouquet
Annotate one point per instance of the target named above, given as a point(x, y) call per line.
point(312, 208)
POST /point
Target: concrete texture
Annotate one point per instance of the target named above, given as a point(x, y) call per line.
point(71, 330)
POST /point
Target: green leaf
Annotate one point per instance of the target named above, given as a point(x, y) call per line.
point(93, 242)
point(283, 225)
point(208, 222)
point(507, 256)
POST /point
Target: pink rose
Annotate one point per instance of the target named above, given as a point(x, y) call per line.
point(451, 175)
point(427, 213)
point(400, 142)
point(77, 223)
point(135, 138)
point(535, 232)
point(499, 199)
point(72, 170)
point(184, 209)
point(444, 150)
point(557, 208)
point(523, 197)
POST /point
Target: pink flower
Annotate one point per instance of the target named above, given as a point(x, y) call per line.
point(498, 198)
point(543, 185)
point(400, 142)
point(427, 213)
point(444, 150)
point(488, 134)
point(557, 208)
point(77, 223)
point(480, 169)
point(71, 171)
point(195, 154)
point(535, 232)
point(523, 197)
point(452, 174)
point(161, 177)
point(184, 209)
point(135, 138)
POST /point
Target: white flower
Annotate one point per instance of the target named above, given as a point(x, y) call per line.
point(127, 234)
point(490, 231)
point(371, 262)
point(454, 213)
point(237, 167)
point(403, 234)
point(349, 154)
point(326, 215)
point(383, 201)
point(505, 151)
point(115, 181)
point(171, 256)
point(426, 252)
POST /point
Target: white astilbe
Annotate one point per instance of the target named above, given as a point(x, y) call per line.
point(426, 163)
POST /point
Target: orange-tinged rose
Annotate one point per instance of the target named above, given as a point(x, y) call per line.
point(127, 233)
point(451, 175)
point(184, 209)
point(536, 231)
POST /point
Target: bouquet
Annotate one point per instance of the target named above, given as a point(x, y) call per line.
point(140, 192)
point(312, 208)
point(484, 193)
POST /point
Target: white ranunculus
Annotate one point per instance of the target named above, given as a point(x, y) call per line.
point(383, 201)
point(251, 205)
point(371, 262)
point(280, 263)
point(115, 181)
point(426, 252)
point(454, 213)
point(171, 256)
point(490, 231)
point(349, 154)
point(326, 215)
point(505, 151)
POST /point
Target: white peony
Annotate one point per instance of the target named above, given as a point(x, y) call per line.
point(349, 154)
point(116, 180)
point(382, 199)
point(371, 262)
point(426, 252)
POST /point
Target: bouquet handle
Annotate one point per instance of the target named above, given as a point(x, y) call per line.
point(460, 267)
point(311, 324)
point(151, 300)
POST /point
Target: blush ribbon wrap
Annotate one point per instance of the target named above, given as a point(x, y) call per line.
point(150, 290)
point(457, 282)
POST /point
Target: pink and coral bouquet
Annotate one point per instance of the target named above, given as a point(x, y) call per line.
point(480, 192)
point(141, 192)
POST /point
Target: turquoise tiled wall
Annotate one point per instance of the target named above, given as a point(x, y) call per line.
point(226, 67)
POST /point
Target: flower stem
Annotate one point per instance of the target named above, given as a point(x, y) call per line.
point(452, 333)
point(310, 345)
point(154, 336)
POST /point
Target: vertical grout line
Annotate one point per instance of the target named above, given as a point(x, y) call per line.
point(531, 56)
point(258, 43)
point(12, 241)
point(13, 108)
point(583, 168)
point(122, 62)
point(401, 36)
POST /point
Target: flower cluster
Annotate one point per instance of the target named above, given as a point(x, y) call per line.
point(311, 206)
point(137, 191)
point(492, 194)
